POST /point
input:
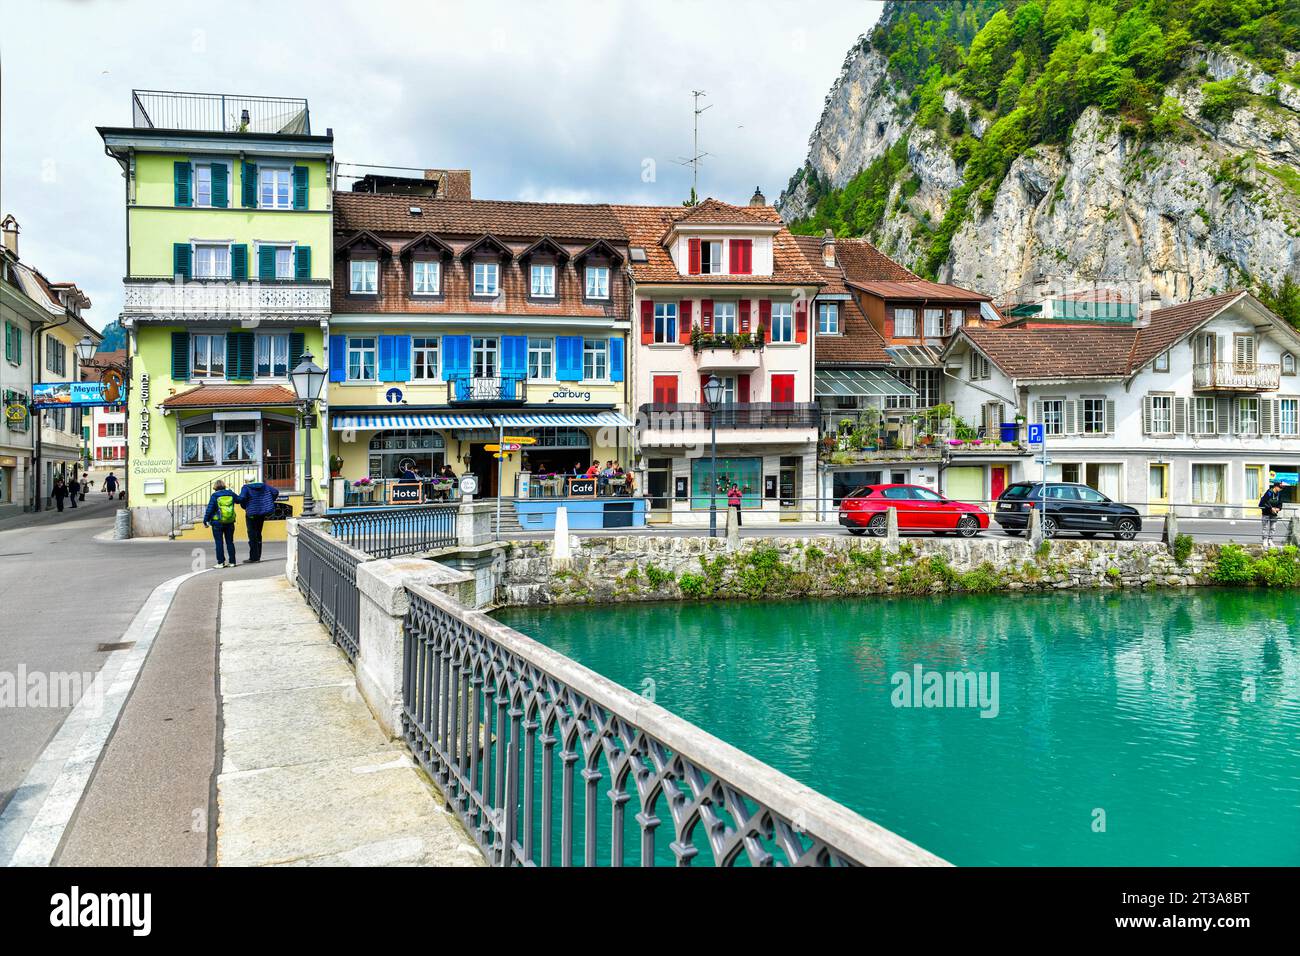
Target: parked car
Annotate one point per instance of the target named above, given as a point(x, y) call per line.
point(919, 509)
point(1067, 507)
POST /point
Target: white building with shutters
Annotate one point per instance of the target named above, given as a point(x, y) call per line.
point(1196, 405)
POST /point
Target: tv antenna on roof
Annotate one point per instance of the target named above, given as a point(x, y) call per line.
point(694, 161)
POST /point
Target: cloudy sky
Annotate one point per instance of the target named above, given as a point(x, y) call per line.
point(542, 101)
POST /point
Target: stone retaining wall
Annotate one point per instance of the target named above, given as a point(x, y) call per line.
point(617, 568)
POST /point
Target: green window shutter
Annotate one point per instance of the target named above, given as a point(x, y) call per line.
point(266, 263)
point(232, 356)
point(248, 184)
point(300, 187)
point(302, 263)
point(9, 350)
point(239, 262)
point(246, 342)
point(180, 356)
point(181, 182)
point(181, 259)
point(220, 192)
point(297, 346)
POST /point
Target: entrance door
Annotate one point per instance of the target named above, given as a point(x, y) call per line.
point(964, 483)
point(658, 485)
point(788, 482)
point(277, 453)
point(1157, 488)
point(999, 477)
point(484, 465)
point(1253, 486)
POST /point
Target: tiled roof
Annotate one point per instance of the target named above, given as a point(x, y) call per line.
point(231, 396)
point(863, 262)
point(1162, 328)
point(918, 289)
point(377, 212)
point(859, 343)
point(832, 277)
point(647, 226)
point(714, 212)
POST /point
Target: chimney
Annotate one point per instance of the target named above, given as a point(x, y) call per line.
point(758, 199)
point(10, 228)
point(828, 248)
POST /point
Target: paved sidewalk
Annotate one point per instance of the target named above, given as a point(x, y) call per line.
point(307, 777)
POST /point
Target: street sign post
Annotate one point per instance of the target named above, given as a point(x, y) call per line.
point(1038, 436)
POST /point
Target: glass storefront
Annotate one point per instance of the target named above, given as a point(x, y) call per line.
point(746, 472)
point(398, 450)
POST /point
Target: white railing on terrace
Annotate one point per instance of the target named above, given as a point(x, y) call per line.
point(224, 298)
point(1251, 377)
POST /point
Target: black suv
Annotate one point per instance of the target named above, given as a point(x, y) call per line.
point(1067, 507)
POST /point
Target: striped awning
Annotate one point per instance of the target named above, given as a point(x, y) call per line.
point(864, 383)
point(581, 419)
point(360, 422)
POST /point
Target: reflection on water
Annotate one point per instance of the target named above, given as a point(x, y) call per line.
point(1174, 718)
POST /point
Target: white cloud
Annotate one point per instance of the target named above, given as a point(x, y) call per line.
point(562, 101)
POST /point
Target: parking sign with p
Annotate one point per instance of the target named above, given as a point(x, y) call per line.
point(1036, 434)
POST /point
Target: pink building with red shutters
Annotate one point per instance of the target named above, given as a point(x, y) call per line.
point(721, 290)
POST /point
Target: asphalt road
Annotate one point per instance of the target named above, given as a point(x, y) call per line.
point(62, 595)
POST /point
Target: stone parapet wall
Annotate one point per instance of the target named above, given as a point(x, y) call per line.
point(618, 568)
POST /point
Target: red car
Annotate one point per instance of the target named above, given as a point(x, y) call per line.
point(919, 509)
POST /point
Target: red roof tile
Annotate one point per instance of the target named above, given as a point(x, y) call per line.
point(231, 396)
point(919, 289)
point(386, 213)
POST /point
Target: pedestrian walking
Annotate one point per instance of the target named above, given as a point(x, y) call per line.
point(60, 492)
point(257, 498)
point(110, 484)
point(734, 500)
point(74, 489)
point(86, 485)
point(220, 517)
point(1270, 507)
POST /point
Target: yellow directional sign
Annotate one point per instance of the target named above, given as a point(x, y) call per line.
point(520, 440)
point(506, 447)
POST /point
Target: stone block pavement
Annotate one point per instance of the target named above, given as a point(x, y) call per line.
point(307, 777)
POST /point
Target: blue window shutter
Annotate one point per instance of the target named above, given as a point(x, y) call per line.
point(239, 261)
point(455, 356)
point(181, 181)
point(300, 187)
point(386, 371)
point(181, 259)
point(338, 358)
point(568, 358)
point(248, 185)
point(220, 194)
point(401, 358)
point(616, 360)
point(266, 263)
point(514, 355)
point(180, 356)
point(302, 263)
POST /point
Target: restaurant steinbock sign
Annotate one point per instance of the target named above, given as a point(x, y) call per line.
point(71, 395)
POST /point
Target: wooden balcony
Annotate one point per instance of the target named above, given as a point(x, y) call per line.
point(1232, 377)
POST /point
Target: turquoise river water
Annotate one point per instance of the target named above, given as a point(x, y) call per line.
point(1130, 728)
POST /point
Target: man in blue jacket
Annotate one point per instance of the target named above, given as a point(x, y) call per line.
point(258, 501)
point(220, 517)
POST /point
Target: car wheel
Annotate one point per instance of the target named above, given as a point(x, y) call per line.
point(877, 525)
point(858, 531)
point(1126, 529)
point(1049, 527)
point(968, 526)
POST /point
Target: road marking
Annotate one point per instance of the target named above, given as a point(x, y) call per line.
point(33, 823)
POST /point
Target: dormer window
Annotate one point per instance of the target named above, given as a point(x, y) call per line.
point(426, 277)
point(711, 257)
point(364, 277)
point(486, 278)
point(1288, 363)
point(542, 280)
point(597, 282)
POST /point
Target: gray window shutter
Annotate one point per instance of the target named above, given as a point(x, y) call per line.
point(1110, 417)
point(1180, 415)
point(1071, 416)
point(1267, 416)
point(1223, 415)
point(1037, 412)
point(1146, 414)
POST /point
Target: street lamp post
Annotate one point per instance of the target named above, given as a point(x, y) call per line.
point(308, 379)
point(86, 350)
point(713, 395)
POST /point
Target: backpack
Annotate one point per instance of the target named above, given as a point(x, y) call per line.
point(226, 509)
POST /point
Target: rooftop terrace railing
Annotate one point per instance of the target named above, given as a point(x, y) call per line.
point(219, 112)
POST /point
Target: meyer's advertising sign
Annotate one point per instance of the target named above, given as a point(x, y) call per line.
point(72, 395)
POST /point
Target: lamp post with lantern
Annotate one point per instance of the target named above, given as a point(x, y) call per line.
point(713, 389)
point(308, 379)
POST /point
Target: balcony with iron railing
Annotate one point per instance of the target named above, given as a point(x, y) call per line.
point(682, 416)
point(487, 389)
point(1236, 376)
point(168, 297)
point(219, 112)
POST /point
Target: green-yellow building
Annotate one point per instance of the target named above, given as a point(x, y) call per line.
point(228, 265)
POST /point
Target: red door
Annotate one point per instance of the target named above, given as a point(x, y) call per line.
point(997, 481)
point(664, 389)
point(782, 387)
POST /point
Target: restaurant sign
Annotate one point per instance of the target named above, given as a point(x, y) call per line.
point(71, 395)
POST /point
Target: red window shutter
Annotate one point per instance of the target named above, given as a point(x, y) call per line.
point(733, 256)
point(742, 387)
point(684, 322)
point(749, 257)
point(694, 265)
point(704, 380)
point(742, 315)
point(706, 315)
point(740, 256)
point(647, 321)
point(783, 387)
point(665, 389)
point(765, 319)
point(103, 430)
point(801, 322)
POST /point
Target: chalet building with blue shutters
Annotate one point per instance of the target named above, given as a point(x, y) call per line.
point(460, 324)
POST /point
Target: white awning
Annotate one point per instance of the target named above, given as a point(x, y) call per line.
point(580, 419)
point(359, 422)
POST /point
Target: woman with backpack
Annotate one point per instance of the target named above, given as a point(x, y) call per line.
point(220, 516)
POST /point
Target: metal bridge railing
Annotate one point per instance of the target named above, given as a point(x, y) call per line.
point(401, 530)
point(327, 578)
point(549, 764)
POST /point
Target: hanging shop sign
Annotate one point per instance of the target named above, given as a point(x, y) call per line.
point(71, 395)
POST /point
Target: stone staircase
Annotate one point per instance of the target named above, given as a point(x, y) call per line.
point(509, 518)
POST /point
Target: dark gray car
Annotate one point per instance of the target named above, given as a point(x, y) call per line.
point(1067, 507)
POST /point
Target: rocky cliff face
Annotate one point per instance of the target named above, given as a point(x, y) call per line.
point(1207, 208)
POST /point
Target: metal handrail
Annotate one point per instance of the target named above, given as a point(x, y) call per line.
point(327, 579)
point(683, 416)
point(385, 533)
point(484, 708)
point(188, 508)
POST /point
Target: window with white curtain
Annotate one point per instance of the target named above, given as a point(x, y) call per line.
point(272, 358)
point(1208, 484)
point(724, 318)
point(905, 323)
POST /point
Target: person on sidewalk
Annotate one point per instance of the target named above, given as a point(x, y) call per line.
point(257, 498)
point(74, 489)
point(86, 485)
point(1270, 507)
point(734, 500)
point(110, 485)
point(220, 517)
point(60, 492)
